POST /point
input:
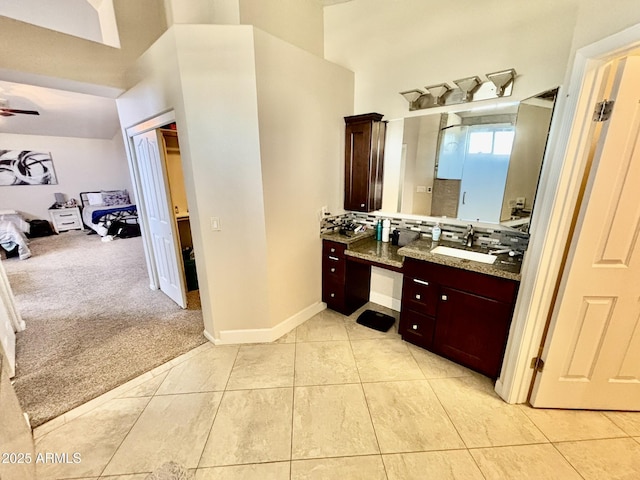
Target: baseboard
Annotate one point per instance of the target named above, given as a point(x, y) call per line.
point(266, 335)
point(385, 301)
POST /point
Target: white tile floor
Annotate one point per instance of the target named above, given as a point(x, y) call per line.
point(332, 400)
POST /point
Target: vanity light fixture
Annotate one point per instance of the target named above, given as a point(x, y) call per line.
point(438, 92)
point(501, 80)
point(467, 86)
point(412, 95)
point(468, 89)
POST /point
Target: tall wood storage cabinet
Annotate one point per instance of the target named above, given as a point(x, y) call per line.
point(364, 155)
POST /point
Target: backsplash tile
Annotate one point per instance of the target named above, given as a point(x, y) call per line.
point(487, 237)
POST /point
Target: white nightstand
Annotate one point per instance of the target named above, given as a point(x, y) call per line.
point(67, 218)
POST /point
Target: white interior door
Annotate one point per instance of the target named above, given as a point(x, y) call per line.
point(9, 321)
point(159, 215)
point(592, 355)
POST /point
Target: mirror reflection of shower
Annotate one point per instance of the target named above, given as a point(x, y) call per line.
point(475, 165)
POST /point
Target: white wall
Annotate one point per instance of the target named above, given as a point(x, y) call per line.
point(302, 100)
point(206, 73)
point(81, 164)
point(395, 46)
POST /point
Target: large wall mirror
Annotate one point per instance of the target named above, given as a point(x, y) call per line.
point(479, 165)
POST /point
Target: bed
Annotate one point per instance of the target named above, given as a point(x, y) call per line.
point(101, 209)
point(11, 237)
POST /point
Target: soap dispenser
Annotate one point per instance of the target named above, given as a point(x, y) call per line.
point(435, 232)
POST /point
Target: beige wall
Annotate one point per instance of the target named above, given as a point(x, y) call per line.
point(206, 73)
point(596, 20)
point(299, 22)
point(261, 135)
point(218, 12)
point(302, 100)
point(36, 50)
point(394, 47)
point(425, 163)
point(81, 164)
point(532, 127)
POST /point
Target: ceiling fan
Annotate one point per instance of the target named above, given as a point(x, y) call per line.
point(5, 111)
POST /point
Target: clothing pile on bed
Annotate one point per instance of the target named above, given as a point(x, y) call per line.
point(12, 233)
point(101, 209)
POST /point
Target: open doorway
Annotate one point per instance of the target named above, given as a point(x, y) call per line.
point(178, 195)
point(157, 207)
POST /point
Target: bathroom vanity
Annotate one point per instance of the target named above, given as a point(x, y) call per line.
point(457, 308)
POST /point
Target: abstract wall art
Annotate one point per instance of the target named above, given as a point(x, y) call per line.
point(26, 167)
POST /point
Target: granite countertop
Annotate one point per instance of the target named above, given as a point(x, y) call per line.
point(338, 237)
point(504, 266)
point(379, 252)
point(365, 247)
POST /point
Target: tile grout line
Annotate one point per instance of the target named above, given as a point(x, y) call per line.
point(567, 460)
point(224, 391)
point(366, 401)
point(293, 402)
point(125, 437)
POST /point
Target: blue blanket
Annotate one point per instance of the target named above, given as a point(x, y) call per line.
point(98, 214)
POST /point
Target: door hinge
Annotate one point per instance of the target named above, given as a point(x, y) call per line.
point(537, 363)
point(603, 110)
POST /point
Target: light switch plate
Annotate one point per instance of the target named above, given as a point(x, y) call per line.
point(215, 224)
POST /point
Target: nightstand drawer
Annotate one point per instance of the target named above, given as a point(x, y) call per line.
point(64, 219)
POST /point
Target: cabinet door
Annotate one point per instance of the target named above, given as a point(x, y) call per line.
point(364, 154)
point(472, 330)
point(357, 166)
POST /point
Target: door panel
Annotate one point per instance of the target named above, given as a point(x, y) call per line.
point(592, 355)
point(472, 330)
point(7, 312)
point(155, 192)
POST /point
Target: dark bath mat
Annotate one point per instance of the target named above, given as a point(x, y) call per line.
point(376, 320)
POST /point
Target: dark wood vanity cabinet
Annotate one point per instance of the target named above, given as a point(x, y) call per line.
point(364, 153)
point(461, 315)
point(343, 289)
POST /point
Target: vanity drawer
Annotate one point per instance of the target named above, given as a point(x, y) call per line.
point(417, 328)
point(333, 261)
point(333, 248)
point(333, 294)
point(419, 295)
point(333, 267)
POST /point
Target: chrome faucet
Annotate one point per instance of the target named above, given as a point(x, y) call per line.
point(468, 237)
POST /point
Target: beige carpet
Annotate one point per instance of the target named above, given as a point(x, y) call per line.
point(92, 321)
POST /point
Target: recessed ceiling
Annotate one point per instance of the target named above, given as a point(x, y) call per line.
point(62, 113)
point(326, 3)
point(89, 19)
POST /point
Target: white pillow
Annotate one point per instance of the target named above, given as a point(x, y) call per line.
point(95, 198)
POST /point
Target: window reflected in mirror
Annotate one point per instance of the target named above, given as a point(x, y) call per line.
point(477, 165)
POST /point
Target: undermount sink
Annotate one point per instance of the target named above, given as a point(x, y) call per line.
point(465, 254)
